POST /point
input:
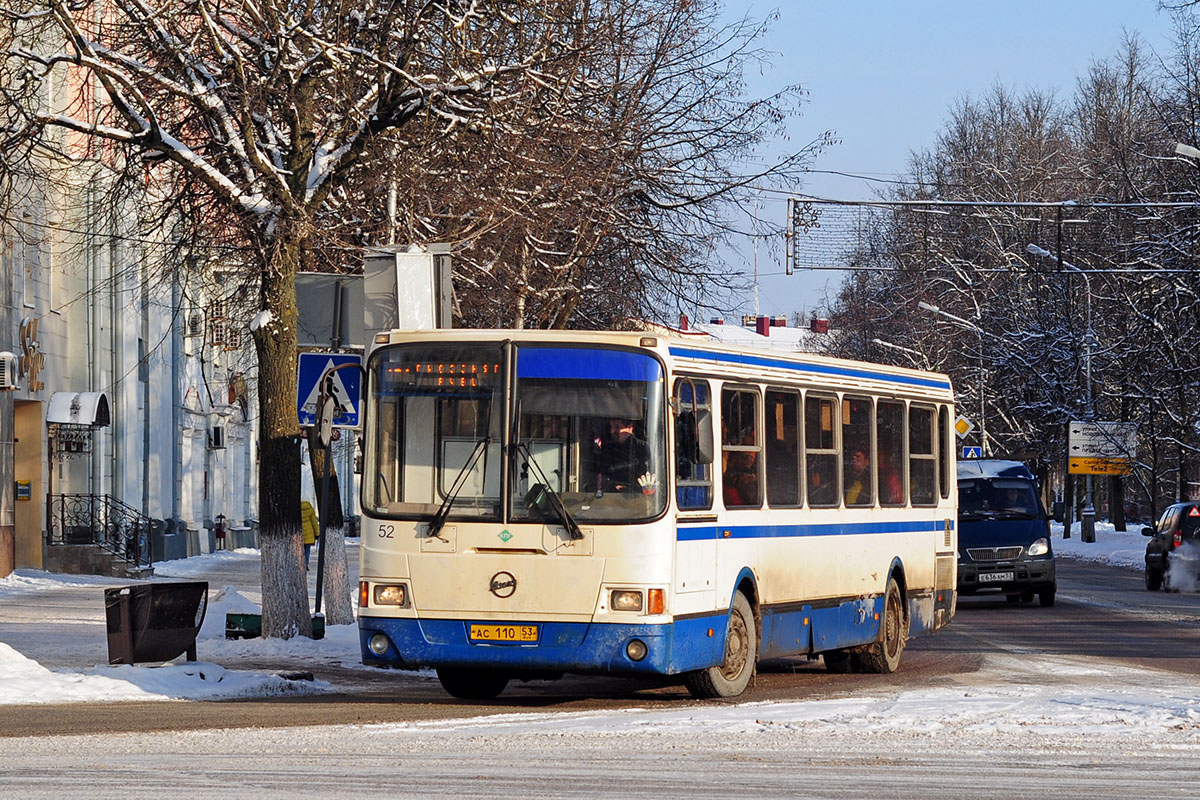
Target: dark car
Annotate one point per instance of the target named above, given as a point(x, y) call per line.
point(1003, 532)
point(1173, 552)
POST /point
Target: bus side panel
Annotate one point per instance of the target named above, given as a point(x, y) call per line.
point(786, 631)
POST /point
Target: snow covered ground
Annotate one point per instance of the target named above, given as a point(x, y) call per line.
point(1064, 699)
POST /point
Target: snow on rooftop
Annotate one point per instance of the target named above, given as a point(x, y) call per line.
point(780, 338)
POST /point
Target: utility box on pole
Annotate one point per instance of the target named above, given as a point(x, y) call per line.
point(406, 288)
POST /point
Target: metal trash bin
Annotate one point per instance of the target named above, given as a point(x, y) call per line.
point(154, 621)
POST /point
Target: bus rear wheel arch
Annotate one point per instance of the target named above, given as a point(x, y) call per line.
point(883, 655)
point(731, 677)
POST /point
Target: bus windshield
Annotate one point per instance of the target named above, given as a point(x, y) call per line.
point(590, 425)
point(436, 420)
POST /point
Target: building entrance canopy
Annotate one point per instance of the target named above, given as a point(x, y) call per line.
point(79, 408)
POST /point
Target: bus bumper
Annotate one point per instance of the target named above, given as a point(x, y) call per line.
point(580, 647)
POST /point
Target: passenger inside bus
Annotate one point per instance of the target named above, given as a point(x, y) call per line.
point(821, 489)
point(858, 482)
point(620, 457)
point(740, 478)
point(891, 487)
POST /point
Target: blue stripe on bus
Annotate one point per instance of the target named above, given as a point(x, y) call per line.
point(687, 644)
point(820, 369)
point(710, 530)
point(586, 363)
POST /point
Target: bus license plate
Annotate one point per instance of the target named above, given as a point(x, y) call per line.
point(995, 576)
point(504, 633)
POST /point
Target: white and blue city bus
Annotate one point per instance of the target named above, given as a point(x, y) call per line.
point(541, 502)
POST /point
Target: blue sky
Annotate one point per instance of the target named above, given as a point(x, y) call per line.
point(884, 75)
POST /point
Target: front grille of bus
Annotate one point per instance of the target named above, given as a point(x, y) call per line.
point(994, 553)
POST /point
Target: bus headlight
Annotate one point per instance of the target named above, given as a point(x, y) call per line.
point(636, 650)
point(378, 644)
point(391, 594)
point(1039, 548)
point(626, 600)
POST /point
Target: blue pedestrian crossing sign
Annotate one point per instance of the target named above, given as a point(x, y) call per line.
point(344, 386)
point(972, 452)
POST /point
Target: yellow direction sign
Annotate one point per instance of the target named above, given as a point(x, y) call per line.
point(1099, 466)
point(963, 426)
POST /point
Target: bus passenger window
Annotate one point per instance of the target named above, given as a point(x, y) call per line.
point(856, 452)
point(783, 449)
point(693, 477)
point(820, 451)
point(922, 461)
point(946, 441)
point(740, 448)
point(889, 445)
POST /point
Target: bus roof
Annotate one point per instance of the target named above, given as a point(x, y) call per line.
point(716, 359)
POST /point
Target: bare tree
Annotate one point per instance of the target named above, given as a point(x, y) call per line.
point(585, 154)
point(249, 118)
point(606, 203)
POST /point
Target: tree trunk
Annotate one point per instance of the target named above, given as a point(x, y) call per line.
point(285, 608)
point(1116, 486)
point(335, 587)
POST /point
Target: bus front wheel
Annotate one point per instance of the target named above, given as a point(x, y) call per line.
point(741, 654)
point(472, 684)
point(883, 656)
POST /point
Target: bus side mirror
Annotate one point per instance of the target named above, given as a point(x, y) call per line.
point(1147, 531)
point(1058, 510)
point(704, 437)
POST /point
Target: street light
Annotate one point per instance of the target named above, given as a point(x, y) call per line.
point(1186, 150)
point(924, 362)
point(1087, 522)
point(971, 326)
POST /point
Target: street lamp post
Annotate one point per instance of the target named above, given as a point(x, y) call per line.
point(966, 323)
point(1087, 520)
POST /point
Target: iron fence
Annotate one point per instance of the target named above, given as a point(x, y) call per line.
point(103, 521)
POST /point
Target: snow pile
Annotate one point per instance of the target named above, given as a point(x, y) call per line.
point(1126, 549)
point(26, 681)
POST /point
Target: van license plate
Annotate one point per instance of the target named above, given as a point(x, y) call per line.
point(504, 633)
point(991, 577)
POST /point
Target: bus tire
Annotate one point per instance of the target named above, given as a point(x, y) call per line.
point(883, 656)
point(732, 677)
point(837, 662)
point(472, 684)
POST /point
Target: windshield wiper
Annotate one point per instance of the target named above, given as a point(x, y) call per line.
point(460, 480)
point(541, 495)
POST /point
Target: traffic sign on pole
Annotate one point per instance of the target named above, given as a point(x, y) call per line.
point(344, 386)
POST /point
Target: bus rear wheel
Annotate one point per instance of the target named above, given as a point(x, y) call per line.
point(472, 684)
point(741, 654)
point(883, 656)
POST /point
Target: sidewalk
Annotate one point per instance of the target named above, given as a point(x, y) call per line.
point(54, 647)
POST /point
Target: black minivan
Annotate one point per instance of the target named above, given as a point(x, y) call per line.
point(1003, 532)
point(1173, 552)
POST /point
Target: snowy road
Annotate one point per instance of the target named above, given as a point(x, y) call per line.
point(1097, 697)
